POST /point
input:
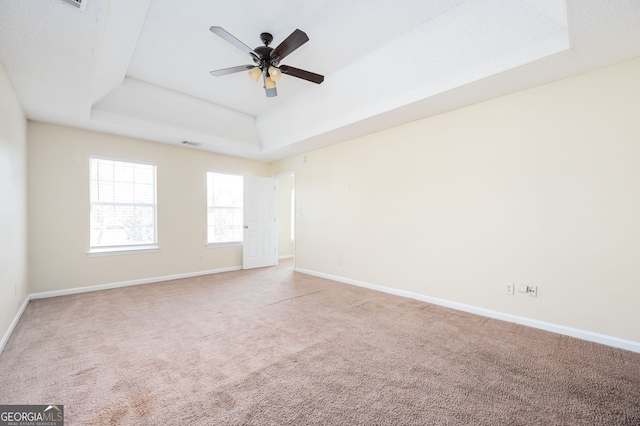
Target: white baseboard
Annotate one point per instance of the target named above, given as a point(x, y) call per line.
point(12, 326)
point(77, 290)
point(288, 256)
point(615, 342)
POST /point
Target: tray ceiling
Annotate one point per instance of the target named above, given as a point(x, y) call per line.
point(141, 68)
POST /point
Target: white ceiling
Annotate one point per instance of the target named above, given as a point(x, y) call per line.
point(141, 68)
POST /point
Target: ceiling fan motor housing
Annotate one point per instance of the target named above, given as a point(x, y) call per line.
point(264, 60)
point(266, 38)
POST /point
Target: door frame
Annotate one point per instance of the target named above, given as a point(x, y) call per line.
point(295, 229)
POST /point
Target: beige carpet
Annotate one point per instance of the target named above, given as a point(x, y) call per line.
point(274, 347)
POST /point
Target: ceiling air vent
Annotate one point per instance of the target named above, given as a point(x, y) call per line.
point(80, 4)
point(191, 143)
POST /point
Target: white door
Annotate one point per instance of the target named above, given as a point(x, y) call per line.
point(260, 234)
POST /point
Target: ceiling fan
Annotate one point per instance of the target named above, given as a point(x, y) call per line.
point(267, 59)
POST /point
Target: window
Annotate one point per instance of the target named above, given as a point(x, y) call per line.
point(224, 208)
point(123, 205)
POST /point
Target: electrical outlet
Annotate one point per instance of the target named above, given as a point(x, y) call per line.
point(508, 288)
point(339, 261)
point(532, 291)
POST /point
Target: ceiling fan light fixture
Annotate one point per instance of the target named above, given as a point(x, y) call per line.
point(255, 74)
point(274, 73)
point(269, 83)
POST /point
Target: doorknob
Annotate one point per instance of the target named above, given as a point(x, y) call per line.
point(245, 226)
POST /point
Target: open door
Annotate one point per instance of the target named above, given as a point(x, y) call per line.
point(260, 234)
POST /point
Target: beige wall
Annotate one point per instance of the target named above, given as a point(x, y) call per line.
point(13, 204)
point(58, 159)
point(285, 186)
point(540, 187)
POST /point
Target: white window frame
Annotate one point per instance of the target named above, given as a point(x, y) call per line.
point(124, 248)
point(210, 196)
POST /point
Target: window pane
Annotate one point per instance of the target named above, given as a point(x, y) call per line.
point(145, 174)
point(144, 194)
point(105, 170)
point(227, 190)
point(105, 191)
point(123, 192)
point(225, 224)
point(123, 209)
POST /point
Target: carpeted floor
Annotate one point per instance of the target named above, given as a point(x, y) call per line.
point(275, 347)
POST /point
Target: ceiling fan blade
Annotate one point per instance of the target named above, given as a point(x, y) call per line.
point(305, 75)
point(221, 32)
point(225, 71)
point(291, 43)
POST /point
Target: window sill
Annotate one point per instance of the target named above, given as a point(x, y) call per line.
point(122, 251)
point(230, 244)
